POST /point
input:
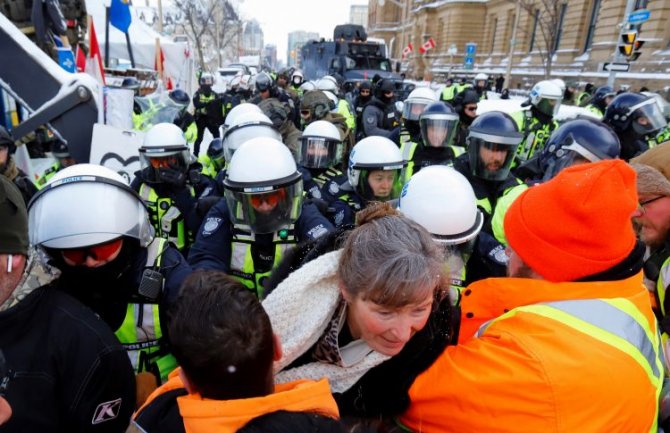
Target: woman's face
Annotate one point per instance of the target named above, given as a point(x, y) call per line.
point(381, 183)
point(387, 329)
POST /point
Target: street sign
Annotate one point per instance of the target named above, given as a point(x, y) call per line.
point(616, 67)
point(470, 48)
point(638, 16)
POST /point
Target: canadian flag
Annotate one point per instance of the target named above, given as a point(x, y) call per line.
point(92, 64)
point(428, 45)
point(408, 49)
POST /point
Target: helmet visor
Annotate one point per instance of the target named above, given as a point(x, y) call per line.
point(320, 152)
point(266, 211)
point(567, 159)
point(549, 106)
point(490, 160)
point(411, 110)
point(84, 213)
point(237, 135)
point(648, 118)
point(160, 166)
point(379, 184)
point(438, 132)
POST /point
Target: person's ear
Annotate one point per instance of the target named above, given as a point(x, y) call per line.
point(346, 295)
point(276, 342)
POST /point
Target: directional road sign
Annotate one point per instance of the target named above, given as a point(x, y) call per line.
point(617, 67)
point(638, 16)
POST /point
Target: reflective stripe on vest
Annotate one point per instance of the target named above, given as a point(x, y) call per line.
point(166, 218)
point(140, 333)
point(615, 322)
point(326, 176)
point(343, 109)
point(205, 100)
point(242, 262)
point(449, 93)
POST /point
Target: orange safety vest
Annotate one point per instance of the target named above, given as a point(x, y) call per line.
point(559, 357)
point(202, 415)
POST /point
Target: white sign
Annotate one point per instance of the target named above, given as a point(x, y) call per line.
point(116, 149)
point(453, 50)
point(616, 67)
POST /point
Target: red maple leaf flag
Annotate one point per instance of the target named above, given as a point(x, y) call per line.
point(94, 61)
point(408, 49)
point(428, 45)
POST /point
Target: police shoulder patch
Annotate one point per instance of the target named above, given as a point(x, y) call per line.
point(211, 225)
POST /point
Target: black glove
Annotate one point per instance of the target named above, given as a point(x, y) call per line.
point(172, 177)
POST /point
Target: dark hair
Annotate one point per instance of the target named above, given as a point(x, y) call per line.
point(390, 259)
point(283, 421)
point(222, 337)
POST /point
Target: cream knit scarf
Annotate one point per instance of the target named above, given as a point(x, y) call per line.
point(300, 309)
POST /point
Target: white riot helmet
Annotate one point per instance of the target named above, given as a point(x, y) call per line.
point(443, 202)
point(481, 77)
point(333, 100)
point(164, 154)
point(236, 112)
point(263, 187)
point(416, 101)
point(307, 86)
point(328, 83)
point(560, 83)
point(297, 77)
point(321, 145)
point(376, 169)
point(206, 79)
point(247, 126)
point(546, 96)
point(86, 205)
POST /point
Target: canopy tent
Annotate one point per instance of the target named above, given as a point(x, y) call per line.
point(178, 59)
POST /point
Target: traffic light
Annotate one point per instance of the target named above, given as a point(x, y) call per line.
point(630, 45)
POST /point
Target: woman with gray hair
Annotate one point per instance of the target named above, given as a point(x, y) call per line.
point(369, 316)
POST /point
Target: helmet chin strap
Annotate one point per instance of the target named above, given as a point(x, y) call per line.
point(10, 259)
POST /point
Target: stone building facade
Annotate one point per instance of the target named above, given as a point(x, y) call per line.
point(581, 34)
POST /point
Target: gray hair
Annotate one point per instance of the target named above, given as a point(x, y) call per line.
point(390, 259)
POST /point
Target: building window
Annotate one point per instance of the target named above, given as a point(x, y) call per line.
point(641, 4)
point(592, 24)
point(559, 27)
point(536, 19)
point(494, 27)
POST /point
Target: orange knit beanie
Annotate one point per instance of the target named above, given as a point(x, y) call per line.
point(578, 223)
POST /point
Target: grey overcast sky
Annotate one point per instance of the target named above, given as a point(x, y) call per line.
point(280, 17)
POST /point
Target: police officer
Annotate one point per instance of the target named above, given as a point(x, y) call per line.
point(443, 202)
point(465, 104)
point(281, 120)
point(9, 169)
point(481, 85)
point(330, 84)
point(213, 161)
point(492, 143)
point(59, 151)
point(537, 123)
point(208, 110)
point(449, 91)
point(636, 119)
point(375, 172)
point(170, 183)
point(412, 108)
point(315, 105)
point(262, 215)
point(96, 230)
point(321, 153)
point(438, 124)
point(362, 98)
point(297, 79)
point(379, 115)
point(601, 98)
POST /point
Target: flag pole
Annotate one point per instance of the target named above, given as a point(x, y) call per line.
point(130, 50)
point(107, 37)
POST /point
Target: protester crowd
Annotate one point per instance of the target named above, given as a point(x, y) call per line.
point(337, 261)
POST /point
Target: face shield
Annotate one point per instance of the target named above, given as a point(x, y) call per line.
point(438, 131)
point(165, 166)
point(567, 156)
point(491, 156)
point(320, 152)
point(237, 135)
point(549, 106)
point(381, 183)
point(411, 110)
point(647, 117)
point(265, 209)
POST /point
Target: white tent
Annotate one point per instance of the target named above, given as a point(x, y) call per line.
point(178, 63)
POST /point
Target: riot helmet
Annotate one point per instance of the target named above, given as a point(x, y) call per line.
point(179, 97)
point(315, 105)
point(237, 111)
point(216, 154)
point(7, 141)
point(546, 97)
point(635, 111)
point(85, 205)
point(61, 152)
point(376, 169)
point(444, 203)
point(578, 141)
point(277, 112)
point(602, 97)
point(297, 77)
point(164, 154)
point(492, 141)
point(321, 145)
point(263, 187)
point(206, 79)
point(264, 82)
point(439, 124)
point(247, 126)
point(327, 83)
point(416, 102)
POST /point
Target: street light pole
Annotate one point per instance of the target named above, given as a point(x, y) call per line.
point(508, 74)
